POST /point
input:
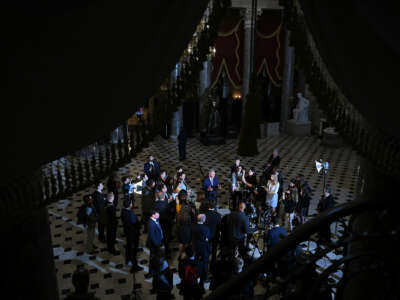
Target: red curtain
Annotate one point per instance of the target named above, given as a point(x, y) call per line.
point(267, 54)
point(229, 51)
point(269, 46)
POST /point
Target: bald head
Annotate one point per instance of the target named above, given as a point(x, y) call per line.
point(201, 218)
point(242, 206)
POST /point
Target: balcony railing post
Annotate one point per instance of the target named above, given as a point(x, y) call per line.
point(126, 141)
point(74, 179)
point(80, 171)
point(60, 183)
point(101, 159)
point(108, 156)
point(67, 175)
point(120, 148)
point(113, 154)
point(94, 163)
point(87, 168)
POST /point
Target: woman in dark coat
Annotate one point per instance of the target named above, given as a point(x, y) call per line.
point(184, 222)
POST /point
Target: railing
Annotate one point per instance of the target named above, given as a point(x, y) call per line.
point(303, 233)
point(67, 175)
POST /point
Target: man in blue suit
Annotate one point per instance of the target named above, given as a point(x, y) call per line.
point(276, 233)
point(154, 241)
point(211, 186)
point(201, 244)
point(152, 168)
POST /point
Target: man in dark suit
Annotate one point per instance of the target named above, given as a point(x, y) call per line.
point(152, 168)
point(211, 186)
point(213, 222)
point(161, 205)
point(112, 223)
point(155, 239)
point(201, 245)
point(324, 204)
point(147, 202)
point(132, 233)
point(182, 144)
point(238, 228)
point(276, 233)
point(99, 203)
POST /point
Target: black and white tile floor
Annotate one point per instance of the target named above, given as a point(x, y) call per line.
point(110, 277)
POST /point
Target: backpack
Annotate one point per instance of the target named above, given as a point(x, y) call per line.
point(81, 215)
point(190, 275)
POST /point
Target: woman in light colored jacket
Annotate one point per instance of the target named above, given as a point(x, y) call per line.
point(272, 189)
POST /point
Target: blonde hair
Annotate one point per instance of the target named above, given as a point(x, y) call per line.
point(274, 179)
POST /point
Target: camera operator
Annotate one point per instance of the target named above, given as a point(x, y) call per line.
point(127, 188)
point(250, 184)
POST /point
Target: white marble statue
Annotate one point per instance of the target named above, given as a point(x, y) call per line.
point(300, 113)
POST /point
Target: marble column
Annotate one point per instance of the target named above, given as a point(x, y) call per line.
point(205, 83)
point(205, 77)
point(287, 81)
point(246, 53)
point(176, 123)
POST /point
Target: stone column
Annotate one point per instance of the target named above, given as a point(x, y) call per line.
point(205, 83)
point(246, 54)
point(27, 253)
point(205, 77)
point(287, 81)
point(176, 123)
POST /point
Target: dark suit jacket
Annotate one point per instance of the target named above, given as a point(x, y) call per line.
point(275, 162)
point(152, 173)
point(111, 216)
point(155, 235)
point(99, 201)
point(213, 222)
point(162, 207)
point(274, 235)
point(325, 203)
point(211, 195)
point(238, 225)
point(201, 239)
point(130, 222)
point(147, 199)
point(182, 138)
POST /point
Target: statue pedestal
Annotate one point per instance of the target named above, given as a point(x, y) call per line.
point(331, 138)
point(207, 140)
point(298, 129)
point(269, 129)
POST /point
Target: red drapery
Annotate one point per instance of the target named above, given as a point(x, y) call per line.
point(268, 46)
point(229, 51)
point(267, 53)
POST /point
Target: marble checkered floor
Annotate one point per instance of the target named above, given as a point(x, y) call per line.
point(110, 278)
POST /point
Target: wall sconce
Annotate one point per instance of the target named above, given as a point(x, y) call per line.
point(211, 52)
point(237, 95)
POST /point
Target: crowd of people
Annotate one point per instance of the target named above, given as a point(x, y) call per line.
point(212, 247)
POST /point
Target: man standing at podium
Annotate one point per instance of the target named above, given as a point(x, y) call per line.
point(211, 186)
